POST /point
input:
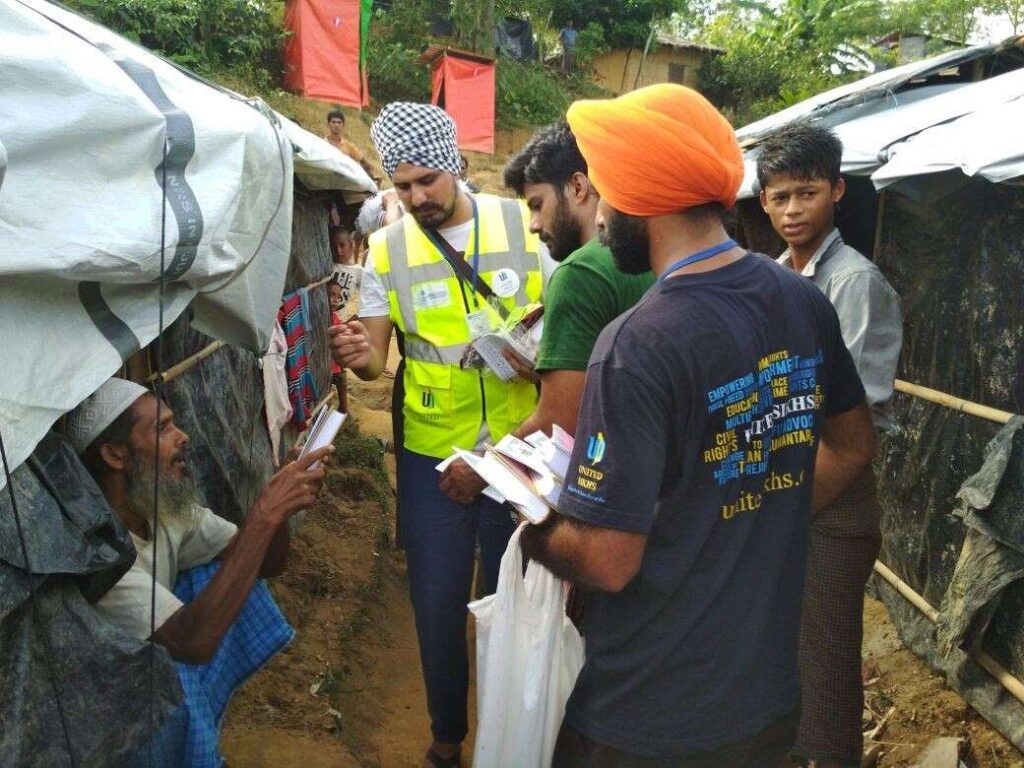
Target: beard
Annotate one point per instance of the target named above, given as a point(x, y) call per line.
point(432, 215)
point(627, 238)
point(565, 236)
point(179, 496)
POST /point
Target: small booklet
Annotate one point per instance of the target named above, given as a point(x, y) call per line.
point(519, 335)
point(555, 451)
point(325, 428)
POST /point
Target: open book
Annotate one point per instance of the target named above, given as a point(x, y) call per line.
point(521, 472)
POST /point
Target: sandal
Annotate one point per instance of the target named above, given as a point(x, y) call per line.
point(455, 761)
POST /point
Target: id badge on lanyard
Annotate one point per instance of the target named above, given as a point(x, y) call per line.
point(479, 322)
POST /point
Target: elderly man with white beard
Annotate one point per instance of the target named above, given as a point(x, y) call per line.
point(123, 435)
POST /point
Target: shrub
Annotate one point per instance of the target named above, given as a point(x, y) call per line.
point(529, 95)
point(243, 36)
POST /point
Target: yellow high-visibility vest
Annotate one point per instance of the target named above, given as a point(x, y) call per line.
point(445, 405)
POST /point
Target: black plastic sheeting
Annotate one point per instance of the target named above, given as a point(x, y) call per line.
point(77, 550)
point(514, 39)
point(951, 485)
point(958, 263)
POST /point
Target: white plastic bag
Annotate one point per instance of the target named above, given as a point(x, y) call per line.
point(528, 656)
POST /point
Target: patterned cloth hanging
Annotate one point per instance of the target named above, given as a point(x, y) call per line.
point(302, 390)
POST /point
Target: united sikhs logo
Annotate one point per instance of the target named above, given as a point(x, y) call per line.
point(595, 448)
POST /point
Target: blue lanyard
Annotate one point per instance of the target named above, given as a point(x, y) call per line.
point(434, 238)
point(707, 253)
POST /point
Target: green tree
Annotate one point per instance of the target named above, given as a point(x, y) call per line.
point(1011, 10)
point(951, 19)
point(626, 23)
point(474, 24)
point(779, 54)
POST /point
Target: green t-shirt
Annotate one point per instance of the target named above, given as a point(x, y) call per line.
point(585, 293)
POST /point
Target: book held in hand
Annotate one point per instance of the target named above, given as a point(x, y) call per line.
point(325, 428)
point(528, 474)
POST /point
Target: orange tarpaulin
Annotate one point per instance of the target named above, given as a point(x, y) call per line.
point(322, 53)
point(464, 86)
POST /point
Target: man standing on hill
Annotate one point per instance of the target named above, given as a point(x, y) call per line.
point(691, 486)
point(567, 35)
point(586, 292)
point(798, 168)
point(336, 138)
point(444, 273)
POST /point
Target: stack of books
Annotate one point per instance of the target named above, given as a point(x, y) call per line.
point(528, 474)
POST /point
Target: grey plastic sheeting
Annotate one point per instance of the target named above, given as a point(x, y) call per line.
point(514, 39)
point(77, 550)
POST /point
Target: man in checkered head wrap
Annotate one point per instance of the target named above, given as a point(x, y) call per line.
point(417, 147)
point(441, 275)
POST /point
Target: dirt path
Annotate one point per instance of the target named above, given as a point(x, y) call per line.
point(349, 692)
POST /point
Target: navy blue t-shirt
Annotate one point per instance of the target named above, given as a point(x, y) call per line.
point(699, 427)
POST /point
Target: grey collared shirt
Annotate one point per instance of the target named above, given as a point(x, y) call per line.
point(870, 316)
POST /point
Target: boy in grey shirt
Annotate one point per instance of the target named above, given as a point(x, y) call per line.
point(798, 169)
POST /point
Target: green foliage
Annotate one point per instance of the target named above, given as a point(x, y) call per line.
point(625, 23)
point(396, 39)
point(474, 24)
point(1011, 10)
point(242, 36)
point(589, 45)
point(529, 95)
point(951, 19)
point(779, 54)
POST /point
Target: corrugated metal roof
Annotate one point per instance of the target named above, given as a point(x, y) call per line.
point(920, 118)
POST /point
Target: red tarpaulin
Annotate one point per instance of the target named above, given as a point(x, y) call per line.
point(464, 86)
point(322, 53)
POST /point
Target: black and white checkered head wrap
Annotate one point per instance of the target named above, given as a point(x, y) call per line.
point(418, 134)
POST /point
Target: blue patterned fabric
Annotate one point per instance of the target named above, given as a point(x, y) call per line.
point(190, 737)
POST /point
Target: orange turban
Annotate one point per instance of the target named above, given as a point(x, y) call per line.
point(661, 149)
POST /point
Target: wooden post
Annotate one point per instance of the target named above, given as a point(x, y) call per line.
point(951, 401)
point(643, 59)
point(879, 218)
point(189, 362)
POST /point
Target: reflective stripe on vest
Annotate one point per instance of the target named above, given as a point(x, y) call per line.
point(444, 404)
point(425, 352)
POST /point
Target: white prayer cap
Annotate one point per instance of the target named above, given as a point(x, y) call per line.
point(98, 411)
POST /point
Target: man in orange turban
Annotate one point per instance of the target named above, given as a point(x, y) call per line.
point(687, 499)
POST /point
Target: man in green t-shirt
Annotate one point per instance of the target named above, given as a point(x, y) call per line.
point(587, 291)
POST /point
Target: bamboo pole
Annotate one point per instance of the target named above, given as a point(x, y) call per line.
point(185, 365)
point(1014, 686)
point(951, 401)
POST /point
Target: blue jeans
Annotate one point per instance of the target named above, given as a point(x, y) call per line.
point(440, 539)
